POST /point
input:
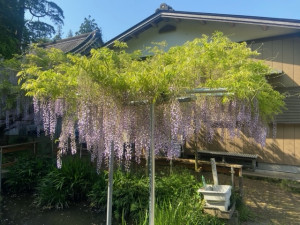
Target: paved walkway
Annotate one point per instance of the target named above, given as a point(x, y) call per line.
point(272, 174)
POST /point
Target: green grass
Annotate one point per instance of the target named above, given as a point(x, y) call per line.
point(69, 184)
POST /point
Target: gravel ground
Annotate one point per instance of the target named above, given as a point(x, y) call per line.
point(268, 203)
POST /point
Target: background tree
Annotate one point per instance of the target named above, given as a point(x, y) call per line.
point(59, 33)
point(70, 34)
point(9, 24)
point(87, 26)
point(34, 29)
point(17, 31)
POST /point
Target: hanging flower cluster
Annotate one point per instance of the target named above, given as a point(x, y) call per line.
point(92, 96)
point(99, 123)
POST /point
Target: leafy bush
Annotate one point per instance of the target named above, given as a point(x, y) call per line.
point(184, 211)
point(131, 193)
point(25, 174)
point(98, 195)
point(175, 185)
point(68, 184)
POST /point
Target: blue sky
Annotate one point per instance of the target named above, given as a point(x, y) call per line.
point(116, 16)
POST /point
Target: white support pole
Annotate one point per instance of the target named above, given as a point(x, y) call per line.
point(152, 168)
point(110, 186)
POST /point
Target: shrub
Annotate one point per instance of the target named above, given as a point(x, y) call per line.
point(175, 186)
point(69, 184)
point(25, 174)
point(130, 194)
point(184, 211)
point(177, 202)
point(98, 194)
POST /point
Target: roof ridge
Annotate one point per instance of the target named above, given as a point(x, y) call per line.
point(70, 38)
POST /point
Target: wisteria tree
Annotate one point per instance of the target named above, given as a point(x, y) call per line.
point(14, 105)
point(106, 97)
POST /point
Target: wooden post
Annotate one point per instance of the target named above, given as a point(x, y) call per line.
point(196, 153)
point(214, 171)
point(241, 183)
point(80, 150)
point(110, 186)
point(0, 171)
point(152, 168)
point(253, 164)
point(196, 159)
point(232, 176)
point(147, 157)
point(171, 166)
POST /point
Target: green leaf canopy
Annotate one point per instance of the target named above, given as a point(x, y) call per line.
point(213, 62)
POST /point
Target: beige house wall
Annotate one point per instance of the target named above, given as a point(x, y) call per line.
point(281, 55)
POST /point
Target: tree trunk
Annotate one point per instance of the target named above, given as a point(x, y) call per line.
point(20, 14)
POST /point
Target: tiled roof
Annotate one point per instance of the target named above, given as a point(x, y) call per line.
point(166, 12)
point(81, 44)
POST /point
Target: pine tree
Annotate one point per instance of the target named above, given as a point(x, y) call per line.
point(70, 34)
point(59, 33)
point(87, 26)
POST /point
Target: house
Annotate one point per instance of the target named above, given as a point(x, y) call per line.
point(278, 41)
point(81, 44)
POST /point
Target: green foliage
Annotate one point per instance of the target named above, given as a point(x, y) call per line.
point(244, 212)
point(290, 185)
point(9, 90)
point(46, 76)
point(26, 173)
point(131, 195)
point(35, 29)
point(214, 62)
point(9, 21)
point(68, 184)
point(178, 184)
point(87, 26)
point(17, 32)
point(185, 211)
point(177, 201)
point(98, 194)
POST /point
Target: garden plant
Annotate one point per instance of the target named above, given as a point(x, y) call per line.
point(105, 98)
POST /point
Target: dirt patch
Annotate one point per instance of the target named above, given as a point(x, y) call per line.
point(267, 201)
point(270, 203)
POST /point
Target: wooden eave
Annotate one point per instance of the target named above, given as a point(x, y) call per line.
point(155, 18)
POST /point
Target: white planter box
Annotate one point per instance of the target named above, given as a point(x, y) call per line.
point(217, 196)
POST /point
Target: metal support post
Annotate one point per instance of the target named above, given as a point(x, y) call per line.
point(110, 186)
point(152, 168)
